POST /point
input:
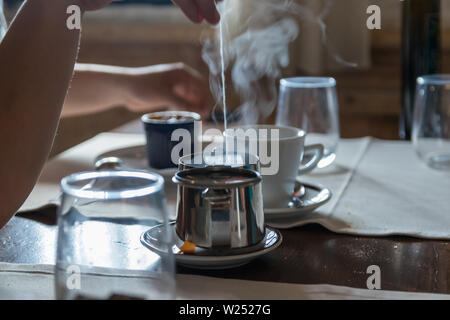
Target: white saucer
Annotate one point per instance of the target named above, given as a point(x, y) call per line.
point(136, 158)
point(201, 260)
point(314, 197)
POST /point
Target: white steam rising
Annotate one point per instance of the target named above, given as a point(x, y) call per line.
point(257, 49)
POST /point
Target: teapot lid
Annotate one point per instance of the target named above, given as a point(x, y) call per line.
point(217, 177)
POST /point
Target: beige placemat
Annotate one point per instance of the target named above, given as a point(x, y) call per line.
point(19, 281)
point(387, 191)
point(379, 187)
point(82, 158)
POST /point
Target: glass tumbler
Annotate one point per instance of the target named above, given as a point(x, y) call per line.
point(100, 222)
point(311, 104)
point(431, 120)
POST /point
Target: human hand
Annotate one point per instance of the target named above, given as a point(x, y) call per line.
point(172, 85)
point(89, 5)
point(199, 10)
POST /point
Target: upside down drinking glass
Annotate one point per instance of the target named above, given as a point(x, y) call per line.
point(310, 103)
point(431, 120)
point(100, 222)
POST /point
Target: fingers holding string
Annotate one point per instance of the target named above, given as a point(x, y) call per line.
point(208, 10)
point(199, 10)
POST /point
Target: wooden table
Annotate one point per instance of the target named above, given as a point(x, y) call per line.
point(308, 255)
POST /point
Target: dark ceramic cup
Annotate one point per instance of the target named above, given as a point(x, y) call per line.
point(159, 127)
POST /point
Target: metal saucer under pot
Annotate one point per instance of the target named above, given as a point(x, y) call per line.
point(205, 259)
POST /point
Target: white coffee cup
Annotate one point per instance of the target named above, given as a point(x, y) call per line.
point(286, 142)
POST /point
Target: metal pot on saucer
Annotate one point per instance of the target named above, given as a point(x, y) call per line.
point(220, 207)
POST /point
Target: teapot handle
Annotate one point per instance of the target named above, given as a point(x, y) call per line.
point(217, 198)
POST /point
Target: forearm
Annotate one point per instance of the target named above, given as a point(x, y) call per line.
point(97, 87)
point(37, 57)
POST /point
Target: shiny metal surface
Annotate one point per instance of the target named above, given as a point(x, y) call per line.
point(234, 160)
point(220, 207)
point(219, 177)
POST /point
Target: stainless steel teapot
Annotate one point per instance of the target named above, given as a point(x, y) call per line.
point(220, 207)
